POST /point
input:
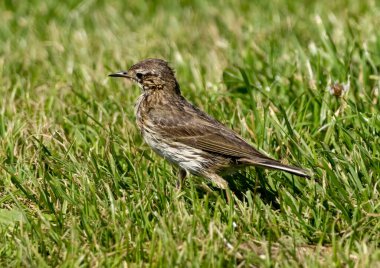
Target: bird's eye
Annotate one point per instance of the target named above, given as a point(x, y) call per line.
point(139, 75)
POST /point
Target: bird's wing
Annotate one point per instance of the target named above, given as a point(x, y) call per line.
point(196, 129)
point(192, 127)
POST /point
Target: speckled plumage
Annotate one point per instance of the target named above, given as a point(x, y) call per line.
point(183, 134)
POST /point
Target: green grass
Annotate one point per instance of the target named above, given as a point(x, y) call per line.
point(79, 188)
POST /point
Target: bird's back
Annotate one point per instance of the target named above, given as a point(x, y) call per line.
point(178, 130)
point(178, 120)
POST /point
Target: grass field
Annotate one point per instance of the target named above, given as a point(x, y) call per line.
point(79, 188)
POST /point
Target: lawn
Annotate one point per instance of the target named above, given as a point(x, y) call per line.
point(80, 188)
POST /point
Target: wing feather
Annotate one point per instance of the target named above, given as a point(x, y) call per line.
point(181, 122)
point(196, 129)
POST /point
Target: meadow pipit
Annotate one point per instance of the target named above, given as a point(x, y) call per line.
point(186, 136)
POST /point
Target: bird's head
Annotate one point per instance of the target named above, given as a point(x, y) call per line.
point(151, 75)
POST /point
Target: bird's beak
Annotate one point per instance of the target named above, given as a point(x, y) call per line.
point(121, 74)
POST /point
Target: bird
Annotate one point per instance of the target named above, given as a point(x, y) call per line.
point(184, 135)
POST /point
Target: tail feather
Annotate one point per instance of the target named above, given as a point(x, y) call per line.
point(273, 164)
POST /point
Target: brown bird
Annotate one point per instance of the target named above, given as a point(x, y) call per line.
point(186, 136)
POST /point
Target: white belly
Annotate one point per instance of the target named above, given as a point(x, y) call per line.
point(182, 155)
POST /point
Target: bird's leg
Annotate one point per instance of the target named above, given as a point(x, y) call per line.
point(221, 183)
point(228, 195)
point(181, 178)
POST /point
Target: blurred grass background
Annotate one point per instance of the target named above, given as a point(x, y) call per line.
point(79, 188)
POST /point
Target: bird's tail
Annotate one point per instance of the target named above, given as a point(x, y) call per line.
point(273, 164)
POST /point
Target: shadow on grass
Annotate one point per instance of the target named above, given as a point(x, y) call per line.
point(241, 182)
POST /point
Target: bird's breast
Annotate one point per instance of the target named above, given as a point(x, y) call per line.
point(149, 103)
point(140, 111)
